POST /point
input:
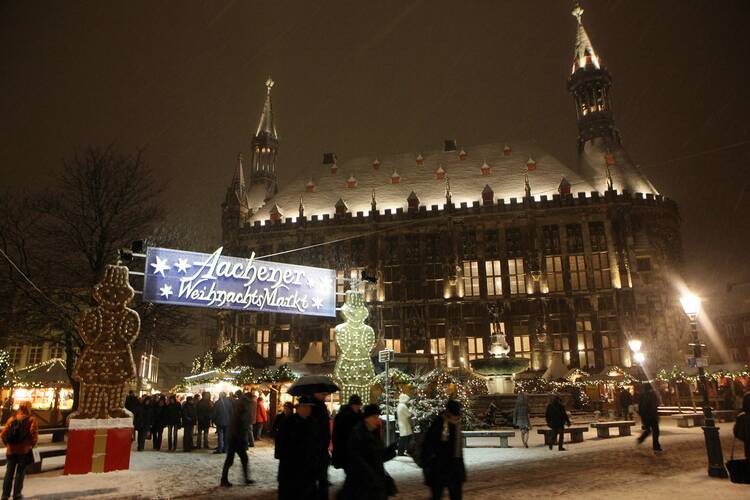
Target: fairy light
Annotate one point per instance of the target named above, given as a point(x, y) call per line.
point(354, 369)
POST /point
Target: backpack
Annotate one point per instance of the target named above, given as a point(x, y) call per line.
point(18, 431)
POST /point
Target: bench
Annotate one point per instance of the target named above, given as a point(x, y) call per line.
point(576, 434)
point(503, 435)
point(688, 419)
point(44, 452)
point(725, 415)
point(602, 428)
point(58, 433)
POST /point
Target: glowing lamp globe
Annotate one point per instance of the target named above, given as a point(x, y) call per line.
point(691, 304)
point(639, 357)
point(635, 345)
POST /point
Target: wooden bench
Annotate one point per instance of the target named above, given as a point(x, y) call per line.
point(503, 435)
point(44, 452)
point(576, 434)
point(725, 415)
point(688, 419)
point(602, 428)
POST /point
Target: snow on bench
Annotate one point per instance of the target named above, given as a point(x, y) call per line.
point(503, 435)
point(576, 434)
point(602, 428)
point(688, 419)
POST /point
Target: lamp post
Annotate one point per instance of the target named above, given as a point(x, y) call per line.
point(691, 305)
point(635, 348)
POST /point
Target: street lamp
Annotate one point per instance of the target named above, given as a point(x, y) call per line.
point(691, 305)
point(635, 348)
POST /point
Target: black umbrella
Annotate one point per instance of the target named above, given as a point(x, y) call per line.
point(310, 384)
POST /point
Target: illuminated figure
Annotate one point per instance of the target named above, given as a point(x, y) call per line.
point(106, 363)
point(355, 340)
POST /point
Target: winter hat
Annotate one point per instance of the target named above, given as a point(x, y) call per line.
point(354, 399)
point(453, 407)
point(370, 410)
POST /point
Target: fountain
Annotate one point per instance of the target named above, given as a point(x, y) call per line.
point(500, 369)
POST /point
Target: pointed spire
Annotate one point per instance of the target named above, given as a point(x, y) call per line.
point(448, 195)
point(488, 195)
point(266, 124)
point(301, 208)
point(584, 53)
point(413, 201)
point(526, 186)
point(238, 187)
point(373, 203)
point(610, 184)
point(275, 212)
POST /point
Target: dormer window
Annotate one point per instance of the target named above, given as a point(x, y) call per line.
point(351, 182)
point(485, 169)
point(506, 150)
point(420, 159)
point(440, 174)
point(376, 164)
point(310, 186)
point(462, 154)
point(395, 178)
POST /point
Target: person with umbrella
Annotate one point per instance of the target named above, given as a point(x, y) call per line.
point(320, 387)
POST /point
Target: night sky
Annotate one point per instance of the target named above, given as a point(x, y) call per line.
point(184, 80)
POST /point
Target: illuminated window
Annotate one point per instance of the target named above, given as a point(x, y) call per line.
point(602, 275)
point(34, 355)
point(331, 343)
point(555, 281)
point(577, 266)
point(393, 337)
point(437, 347)
point(517, 276)
point(262, 342)
point(282, 350)
point(611, 349)
point(475, 347)
point(56, 351)
point(586, 358)
point(494, 277)
point(522, 346)
point(471, 278)
point(340, 287)
point(393, 344)
point(560, 340)
point(14, 353)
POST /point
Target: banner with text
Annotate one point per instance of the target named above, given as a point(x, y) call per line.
point(219, 282)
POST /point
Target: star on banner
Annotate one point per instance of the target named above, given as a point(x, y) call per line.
point(160, 266)
point(317, 302)
point(182, 265)
point(310, 282)
point(166, 291)
point(326, 281)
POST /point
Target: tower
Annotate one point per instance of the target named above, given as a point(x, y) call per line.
point(265, 146)
point(235, 208)
point(590, 83)
point(602, 160)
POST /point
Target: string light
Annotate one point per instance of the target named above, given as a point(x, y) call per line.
point(354, 369)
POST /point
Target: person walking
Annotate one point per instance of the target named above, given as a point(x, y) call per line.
point(322, 425)
point(237, 441)
point(261, 417)
point(203, 410)
point(346, 419)
point(142, 421)
point(521, 417)
point(625, 401)
point(158, 421)
point(296, 450)
point(403, 415)
point(366, 477)
point(189, 419)
point(648, 409)
point(131, 401)
point(286, 411)
point(253, 416)
point(442, 454)
point(742, 425)
point(173, 420)
point(557, 418)
point(222, 412)
point(20, 434)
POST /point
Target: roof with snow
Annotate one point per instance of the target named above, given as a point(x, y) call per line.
point(506, 179)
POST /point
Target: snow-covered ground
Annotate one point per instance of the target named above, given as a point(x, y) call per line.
point(596, 468)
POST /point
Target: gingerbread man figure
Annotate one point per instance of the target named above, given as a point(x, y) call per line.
point(355, 340)
point(106, 363)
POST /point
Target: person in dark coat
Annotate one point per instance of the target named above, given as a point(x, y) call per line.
point(158, 421)
point(189, 419)
point(222, 412)
point(624, 401)
point(278, 423)
point(142, 420)
point(648, 409)
point(366, 478)
point(204, 409)
point(173, 421)
point(742, 424)
point(131, 401)
point(557, 418)
point(322, 420)
point(347, 418)
point(442, 454)
point(237, 440)
point(297, 450)
point(253, 415)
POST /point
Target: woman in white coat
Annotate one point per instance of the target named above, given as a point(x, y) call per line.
point(404, 414)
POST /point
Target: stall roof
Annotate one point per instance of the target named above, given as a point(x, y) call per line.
point(50, 373)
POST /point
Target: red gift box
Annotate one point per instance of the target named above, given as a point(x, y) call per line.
point(98, 445)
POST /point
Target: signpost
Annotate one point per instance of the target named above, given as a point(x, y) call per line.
point(216, 281)
point(386, 356)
